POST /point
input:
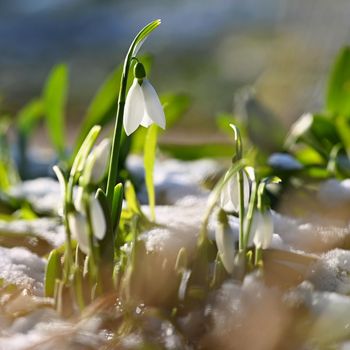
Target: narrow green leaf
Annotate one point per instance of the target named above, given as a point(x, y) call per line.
point(84, 150)
point(338, 92)
point(53, 272)
point(131, 198)
point(142, 36)
point(54, 97)
point(149, 160)
point(117, 205)
point(29, 116)
point(343, 127)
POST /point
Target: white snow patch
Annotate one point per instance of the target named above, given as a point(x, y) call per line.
point(22, 268)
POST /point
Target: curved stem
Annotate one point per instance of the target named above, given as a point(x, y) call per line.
point(114, 158)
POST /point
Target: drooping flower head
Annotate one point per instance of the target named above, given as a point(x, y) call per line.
point(142, 105)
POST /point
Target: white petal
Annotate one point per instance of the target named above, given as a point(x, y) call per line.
point(97, 218)
point(153, 107)
point(78, 226)
point(262, 229)
point(146, 121)
point(229, 199)
point(226, 246)
point(78, 199)
point(134, 108)
point(100, 156)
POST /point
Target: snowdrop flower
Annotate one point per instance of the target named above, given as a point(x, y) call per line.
point(262, 229)
point(225, 242)
point(142, 105)
point(79, 225)
point(97, 161)
point(229, 198)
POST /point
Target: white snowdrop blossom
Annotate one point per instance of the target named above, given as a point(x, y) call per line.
point(79, 225)
point(262, 229)
point(229, 198)
point(97, 161)
point(225, 242)
point(142, 107)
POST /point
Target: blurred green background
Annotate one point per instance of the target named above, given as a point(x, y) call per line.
point(208, 49)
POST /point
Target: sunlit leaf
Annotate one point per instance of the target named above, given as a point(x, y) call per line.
point(175, 105)
point(117, 205)
point(29, 116)
point(84, 150)
point(338, 92)
point(52, 273)
point(131, 198)
point(149, 159)
point(54, 98)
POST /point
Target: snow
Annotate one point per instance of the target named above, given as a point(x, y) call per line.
point(44, 194)
point(237, 310)
point(334, 192)
point(48, 229)
point(332, 272)
point(20, 267)
point(175, 180)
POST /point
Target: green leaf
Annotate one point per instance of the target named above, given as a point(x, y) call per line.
point(29, 116)
point(52, 273)
point(149, 159)
point(117, 205)
point(343, 127)
point(54, 97)
point(142, 36)
point(84, 150)
point(338, 92)
point(131, 198)
point(175, 105)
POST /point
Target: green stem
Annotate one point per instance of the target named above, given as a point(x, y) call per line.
point(68, 259)
point(250, 213)
point(241, 210)
point(114, 158)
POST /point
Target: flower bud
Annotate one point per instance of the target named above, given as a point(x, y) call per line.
point(229, 199)
point(262, 229)
point(225, 242)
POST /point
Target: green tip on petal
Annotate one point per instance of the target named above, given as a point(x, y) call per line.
point(139, 71)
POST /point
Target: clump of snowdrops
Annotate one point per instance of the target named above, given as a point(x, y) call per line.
point(240, 193)
point(92, 261)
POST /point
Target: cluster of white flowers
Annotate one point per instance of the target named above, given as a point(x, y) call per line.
point(94, 171)
point(261, 230)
